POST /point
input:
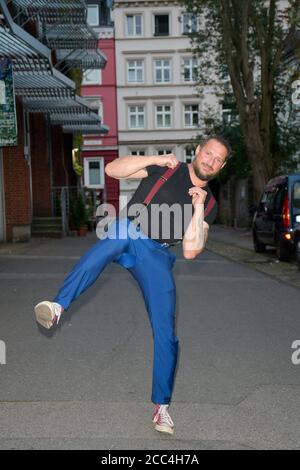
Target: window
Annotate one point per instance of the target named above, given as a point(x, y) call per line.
point(189, 23)
point(162, 70)
point(229, 113)
point(163, 115)
point(138, 153)
point(226, 115)
point(161, 25)
point(137, 117)
point(93, 15)
point(135, 71)
point(267, 201)
point(279, 197)
point(134, 25)
point(96, 104)
point(190, 70)
point(191, 115)
point(105, 13)
point(296, 195)
point(92, 77)
point(164, 151)
point(93, 172)
point(189, 154)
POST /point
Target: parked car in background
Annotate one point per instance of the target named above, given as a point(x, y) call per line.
point(276, 220)
point(297, 243)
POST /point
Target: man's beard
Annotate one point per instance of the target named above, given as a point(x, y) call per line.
point(201, 176)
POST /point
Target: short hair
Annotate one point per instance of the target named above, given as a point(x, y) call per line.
point(222, 140)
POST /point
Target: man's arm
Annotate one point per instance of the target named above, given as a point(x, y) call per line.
point(135, 166)
point(196, 234)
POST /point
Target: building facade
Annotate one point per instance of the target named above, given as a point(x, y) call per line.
point(99, 88)
point(159, 110)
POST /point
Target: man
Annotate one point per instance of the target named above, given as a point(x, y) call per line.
point(146, 254)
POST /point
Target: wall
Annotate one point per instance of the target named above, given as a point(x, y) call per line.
point(16, 175)
point(41, 166)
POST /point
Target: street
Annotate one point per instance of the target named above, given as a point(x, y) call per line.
point(87, 383)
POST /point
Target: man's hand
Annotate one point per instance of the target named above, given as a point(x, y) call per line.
point(198, 195)
point(166, 160)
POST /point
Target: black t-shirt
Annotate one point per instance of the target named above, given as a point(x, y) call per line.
point(161, 220)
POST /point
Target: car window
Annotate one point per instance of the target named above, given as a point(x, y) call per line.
point(270, 200)
point(266, 202)
point(296, 195)
point(279, 197)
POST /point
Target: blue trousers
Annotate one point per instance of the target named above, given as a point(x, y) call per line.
point(150, 264)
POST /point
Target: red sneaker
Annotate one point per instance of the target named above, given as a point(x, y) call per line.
point(48, 313)
point(162, 419)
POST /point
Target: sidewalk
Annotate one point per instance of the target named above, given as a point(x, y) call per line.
point(234, 244)
point(237, 237)
point(75, 245)
point(237, 245)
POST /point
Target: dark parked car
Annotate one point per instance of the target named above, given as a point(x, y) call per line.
point(277, 218)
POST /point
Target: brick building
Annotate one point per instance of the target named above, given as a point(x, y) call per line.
point(44, 44)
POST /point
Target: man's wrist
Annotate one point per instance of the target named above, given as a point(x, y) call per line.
point(199, 208)
point(152, 160)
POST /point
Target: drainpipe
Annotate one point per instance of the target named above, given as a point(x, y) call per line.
point(50, 158)
point(27, 155)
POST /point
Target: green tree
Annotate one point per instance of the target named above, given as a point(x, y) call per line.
point(242, 44)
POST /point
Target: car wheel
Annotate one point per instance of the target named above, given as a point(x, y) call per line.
point(283, 251)
point(259, 247)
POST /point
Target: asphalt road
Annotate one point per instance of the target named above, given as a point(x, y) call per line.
point(87, 383)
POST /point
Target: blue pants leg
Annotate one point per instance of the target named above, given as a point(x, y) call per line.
point(153, 272)
point(90, 266)
point(151, 266)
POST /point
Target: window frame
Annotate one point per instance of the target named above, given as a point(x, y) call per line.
point(161, 152)
point(191, 68)
point(96, 5)
point(87, 161)
point(183, 23)
point(92, 83)
point(134, 35)
point(137, 114)
point(186, 155)
point(137, 152)
point(156, 105)
point(163, 69)
point(295, 205)
point(191, 114)
point(99, 108)
point(135, 70)
point(156, 35)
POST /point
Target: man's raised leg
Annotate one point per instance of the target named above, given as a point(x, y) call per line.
point(82, 276)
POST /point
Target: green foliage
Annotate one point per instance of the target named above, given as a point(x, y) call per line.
point(77, 76)
point(78, 213)
point(241, 46)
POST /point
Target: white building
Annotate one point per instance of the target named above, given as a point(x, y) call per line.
point(158, 107)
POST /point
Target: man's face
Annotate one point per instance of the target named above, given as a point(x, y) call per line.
point(209, 160)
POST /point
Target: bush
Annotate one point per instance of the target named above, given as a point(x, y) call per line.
point(78, 213)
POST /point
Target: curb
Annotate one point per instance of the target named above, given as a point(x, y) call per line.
point(286, 272)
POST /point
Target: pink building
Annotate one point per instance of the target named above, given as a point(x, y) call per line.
point(99, 86)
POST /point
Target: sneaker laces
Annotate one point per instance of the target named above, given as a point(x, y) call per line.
point(58, 310)
point(162, 415)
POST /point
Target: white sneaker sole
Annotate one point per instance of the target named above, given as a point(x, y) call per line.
point(164, 429)
point(44, 314)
